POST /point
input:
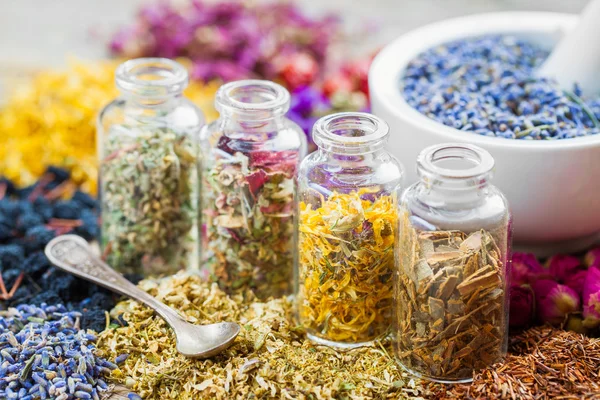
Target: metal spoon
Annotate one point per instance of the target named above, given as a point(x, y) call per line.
point(72, 253)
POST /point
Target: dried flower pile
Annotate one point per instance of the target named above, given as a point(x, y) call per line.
point(565, 292)
point(270, 358)
point(486, 85)
point(45, 355)
point(230, 40)
point(451, 317)
point(149, 199)
point(543, 363)
point(345, 266)
point(247, 211)
point(51, 121)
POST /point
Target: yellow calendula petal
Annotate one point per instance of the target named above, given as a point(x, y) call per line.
point(346, 265)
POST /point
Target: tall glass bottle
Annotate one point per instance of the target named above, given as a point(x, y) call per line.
point(250, 158)
point(347, 194)
point(148, 156)
point(451, 296)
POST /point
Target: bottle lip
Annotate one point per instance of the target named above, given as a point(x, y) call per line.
point(253, 98)
point(468, 162)
point(151, 77)
point(350, 133)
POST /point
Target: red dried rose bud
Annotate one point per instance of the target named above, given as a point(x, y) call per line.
point(576, 281)
point(554, 302)
point(522, 306)
point(591, 298)
point(525, 269)
point(562, 267)
point(338, 83)
point(358, 71)
point(298, 70)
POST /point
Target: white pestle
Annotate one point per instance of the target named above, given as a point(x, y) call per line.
point(576, 58)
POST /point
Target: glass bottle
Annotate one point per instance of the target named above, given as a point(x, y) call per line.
point(451, 297)
point(250, 158)
point(347, 193)
point(148, 157)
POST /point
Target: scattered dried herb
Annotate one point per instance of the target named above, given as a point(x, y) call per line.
point(269, 360)
point(345, 266)
point(248, 215)
point(451, 302)
point(543, 363)
point(149, 186)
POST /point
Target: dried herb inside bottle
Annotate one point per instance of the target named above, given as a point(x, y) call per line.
point(346, 264)
point(450, 295)
point(248, 217)
point(149, 184)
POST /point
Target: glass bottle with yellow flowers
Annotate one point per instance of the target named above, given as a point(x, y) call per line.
point(347, 215)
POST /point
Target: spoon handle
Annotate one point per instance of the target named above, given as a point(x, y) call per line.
point(73, 254)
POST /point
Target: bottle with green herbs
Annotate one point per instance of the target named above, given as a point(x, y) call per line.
point(250, 157)
point(451, 299)
point(149, 159)
point(347, 192)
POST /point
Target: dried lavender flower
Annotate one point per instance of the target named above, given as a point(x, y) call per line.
point(486, 85)
point(44, 354)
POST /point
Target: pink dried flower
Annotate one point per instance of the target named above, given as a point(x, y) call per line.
point(576, 281)
point(256, 181)
point(592, 257)
point(561, 267)
point(554, 301)
point(591, 298)
point(230, 39)
point(522, 306)
point(525, 268)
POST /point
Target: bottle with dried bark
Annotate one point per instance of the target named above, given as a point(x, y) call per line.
point(451, 302)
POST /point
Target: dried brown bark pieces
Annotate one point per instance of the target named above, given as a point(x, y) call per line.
point(450, 289)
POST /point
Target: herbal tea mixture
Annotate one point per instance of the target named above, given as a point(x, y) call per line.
point(269, 359)
point(149, 200)
point(346, 264)
point(248, 216)
point(451, 300)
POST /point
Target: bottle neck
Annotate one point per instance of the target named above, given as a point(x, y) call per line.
point(252, 108)
point(454, 176)
point(351, 136)
point(151, 83)
point(233, 123)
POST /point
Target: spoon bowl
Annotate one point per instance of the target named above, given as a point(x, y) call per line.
point(206, 340)
point(72, 254)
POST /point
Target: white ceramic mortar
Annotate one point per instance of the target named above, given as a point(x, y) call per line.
point(553, 187)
